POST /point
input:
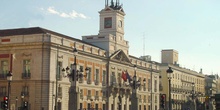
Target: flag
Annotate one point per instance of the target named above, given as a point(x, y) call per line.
point(128, 76)
point(123, 76)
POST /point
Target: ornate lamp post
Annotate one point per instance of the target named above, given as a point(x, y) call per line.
point(74, 75)
point(22, 100)
point(169, 75)
point(134, 84)
point(9, 78)
point(194, 96)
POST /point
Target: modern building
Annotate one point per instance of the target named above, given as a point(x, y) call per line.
point(37, 56)
point(184, 82)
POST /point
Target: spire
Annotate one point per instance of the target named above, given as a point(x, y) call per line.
point(106, 2)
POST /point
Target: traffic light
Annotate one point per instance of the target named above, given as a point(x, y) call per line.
point(162, 100)
point(25, 104)
point(5, 102)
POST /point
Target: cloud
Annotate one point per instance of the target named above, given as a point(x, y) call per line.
point(71, 15)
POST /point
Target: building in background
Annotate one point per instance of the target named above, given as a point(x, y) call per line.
point(211, 84)
point(36, 56)
point(182, 83)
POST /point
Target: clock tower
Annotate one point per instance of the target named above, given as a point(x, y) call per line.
point(111, 29)
point(112, 20)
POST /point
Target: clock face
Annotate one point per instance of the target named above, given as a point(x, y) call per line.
point(108, 22)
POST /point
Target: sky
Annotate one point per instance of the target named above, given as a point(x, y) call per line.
point(190, 27)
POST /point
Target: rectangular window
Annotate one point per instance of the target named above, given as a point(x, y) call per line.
point(81, 93)
point(113, 78)
point(25, 90)
point(4, 69)
point(89, 76)
point(88, 106)
point(149, 99)
point(145, 99)
point(89, 95)
point(59, 70)
point(112, 107)
point(81, 106)
point(26, 66)
point(97, 95)
point(103, 77)
point(96, 76)
point(155, 99)
point(26, 69)
point(59, 105)
point(81, 70)
point(103, 106)
point(2, 91)
point(59, 92)
point(119, 78)
point(149, 85)
point(155, 86)
point(96, 106)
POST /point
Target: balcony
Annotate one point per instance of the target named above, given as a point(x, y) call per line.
point(140, 100)
point(81, 96)
point(80, 80)
point(96, 82)
point(96, 97)
point(103, 97)
point(103, 83)
point(89, 97)
point(59, 95)
point(89, 81)
point(26, 75)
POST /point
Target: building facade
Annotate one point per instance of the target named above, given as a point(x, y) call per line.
point(184, 82)
point(36, 57)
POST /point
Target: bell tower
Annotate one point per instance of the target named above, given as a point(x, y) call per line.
point(112, 19)
point(111, 29)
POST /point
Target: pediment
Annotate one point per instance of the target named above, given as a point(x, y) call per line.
point(120, 56)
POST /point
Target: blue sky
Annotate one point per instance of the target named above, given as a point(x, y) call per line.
point(189, 26)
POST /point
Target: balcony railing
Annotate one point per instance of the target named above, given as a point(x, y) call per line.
point(103, 83)
point(96, 97)
point(81, 96)
point(80, 80)
point(89, 97)
point(103, 97)
point(96, 82)
point(59, 94)
point(89, 81)
point(26, 75)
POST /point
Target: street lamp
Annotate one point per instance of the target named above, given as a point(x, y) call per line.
point(9, 78)
point(134, 84)
point(193, 95)
point(74, 75)
point(169, 75)
point(22, 99)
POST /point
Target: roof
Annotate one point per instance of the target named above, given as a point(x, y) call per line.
point(36, 30)
point(22, 31)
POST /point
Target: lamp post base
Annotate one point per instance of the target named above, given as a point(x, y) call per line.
point(134, 101)
point(74, 98)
